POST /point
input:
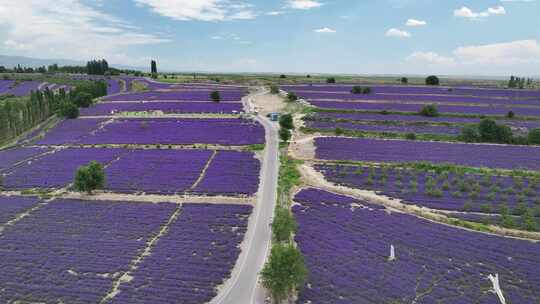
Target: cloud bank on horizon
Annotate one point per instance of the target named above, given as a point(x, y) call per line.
point(370, 37)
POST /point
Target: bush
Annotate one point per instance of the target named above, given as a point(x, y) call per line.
point(357, 90)
point(286, 121)
point(89, 178)
point(429, 111)
point(274, 89)
point(215, 96)
point(283, 225)
point(469, 134)
point(282, 76)
point(69, 110)
point(366, 91)
point(331, 80)
point(339, 131)
point(410, 136)
point(284, 134)
point(284, 272)
point(510, 114)
point(432, 80)
point(82, 99)
point(534, 137)
point(491, 132)
point(404, 80)
point(291, 97)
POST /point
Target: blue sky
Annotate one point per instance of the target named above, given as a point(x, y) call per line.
point(480, 37)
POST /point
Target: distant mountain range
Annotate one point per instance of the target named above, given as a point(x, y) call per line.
point(12, 61)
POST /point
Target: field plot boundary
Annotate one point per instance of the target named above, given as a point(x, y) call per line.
point(134, 264)
point(313, 178)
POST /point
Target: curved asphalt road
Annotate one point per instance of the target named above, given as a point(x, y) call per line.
point(243, 287)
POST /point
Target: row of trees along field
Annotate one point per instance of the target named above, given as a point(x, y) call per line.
point(93, 67)
point(20, 114)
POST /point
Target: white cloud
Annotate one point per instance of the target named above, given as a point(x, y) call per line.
point(465, 12)
point(430, 58)
point(68, 29)
point(203, 10)
point(275, 13)
point(521, 51)
point(414, 22)
point(304, 4)
point(397, 33)
point(325, 30)
point(230, 37)
point(508, 54)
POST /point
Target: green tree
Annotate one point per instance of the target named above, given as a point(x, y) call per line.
point(491, 132)
point(404, 80)
point(366, 91)
point(432, 80)
point(356, 90)
point(284, 134)
point(291, 97)
point(286, 121)
point(284, 272)
point(429, 111)
point(215, 96)
point(469, 134)
point(331, 80)
point(283, 225)
point(69, 110)
point(274, 89)
point(83, 99)
point(89, 178)
point(282, 76)
point(534, 137)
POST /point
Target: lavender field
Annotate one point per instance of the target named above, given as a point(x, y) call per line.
point(71, 251)
point(56, 170)
point(111, 108)
point(395, 151)
point(365, 127)
point(188, 95)
point(192, 259)
point(446, 190)
point(11, 157)
point(347, 245)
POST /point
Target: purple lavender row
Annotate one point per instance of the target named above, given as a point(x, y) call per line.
point(56, 170)
point(396, 151)
point(418, 129)
point(532, 124)
point(403, 107)
point(113, 86)
point(11, 206)
point(71, 251)
point(175, 95)
point(23, 88)
point(9, 158)
point(5, 85)
point(416, 98)
point(346, 250)
point(156, 171)
point(71, 131)
point(179, 131)
point(422, 90)
point(195, 256)
point(165, 107)
point(231, 173)
point(469, 192)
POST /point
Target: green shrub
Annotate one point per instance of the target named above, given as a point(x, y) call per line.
point(215, 96)
point(469, 134)
point(82, 99)
point(283, 225)
point(331, 80)
point(291, 97)
point(410, 136)
point(432, 80)
point(284, 134)
point(429, 111)
point(357, 90)
point(274, 89)
point(90, 177)
point(534, 137)
point(69, 110)
point(286, 121)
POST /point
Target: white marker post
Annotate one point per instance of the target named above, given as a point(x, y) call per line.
point(392, 253)
point(497, 287)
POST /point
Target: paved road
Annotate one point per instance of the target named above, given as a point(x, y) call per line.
point(243, 288)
